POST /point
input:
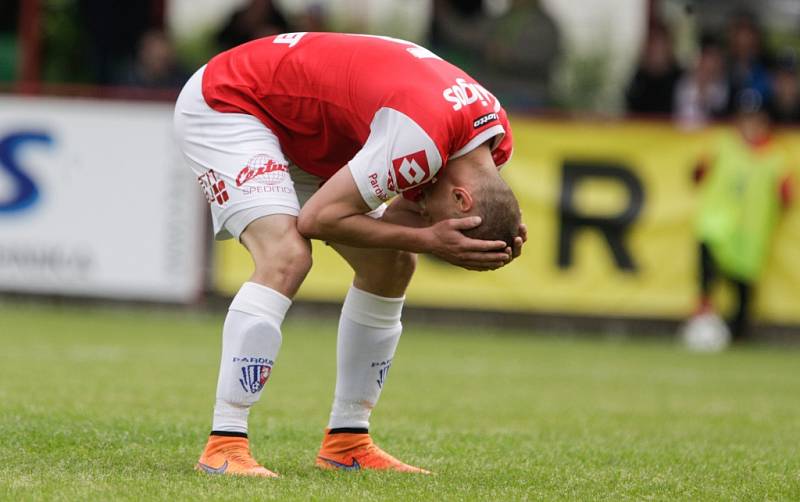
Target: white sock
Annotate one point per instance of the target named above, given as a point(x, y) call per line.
point(369, 330)
point(251, 338)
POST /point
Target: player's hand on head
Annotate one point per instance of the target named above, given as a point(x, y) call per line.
point(519, 241)
point(450, 244)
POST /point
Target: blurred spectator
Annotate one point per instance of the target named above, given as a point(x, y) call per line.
point(745, 186)
point(258, 18)
point(154, 65)
point(458, 31)
point(313, 18)
point(702, 94)
point(510, 47)
point(748, 65)
point(407, 20)
point(520, 52)
point(112, 31)
point(9, 16)
point(784, 106)
point(653, 85)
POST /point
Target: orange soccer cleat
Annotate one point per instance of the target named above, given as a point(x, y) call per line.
point(230, 455)
point(354, 451)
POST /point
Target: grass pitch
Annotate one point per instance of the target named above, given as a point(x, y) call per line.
point(116, 405)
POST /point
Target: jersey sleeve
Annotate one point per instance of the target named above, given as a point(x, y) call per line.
point(480, 124)
point(398, 156)
point(504, 148)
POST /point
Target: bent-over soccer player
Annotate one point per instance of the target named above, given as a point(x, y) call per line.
point(307, 136)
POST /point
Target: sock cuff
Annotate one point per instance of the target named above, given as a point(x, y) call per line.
point(229, 434)
point(372, 310)
point(348, 430)
point(259, 300)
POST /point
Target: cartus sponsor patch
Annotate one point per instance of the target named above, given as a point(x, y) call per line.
point(263, 170)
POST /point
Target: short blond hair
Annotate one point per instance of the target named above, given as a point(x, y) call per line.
point(498, 208)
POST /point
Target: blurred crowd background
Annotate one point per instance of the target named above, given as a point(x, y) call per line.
point(611, 204)
point(687, 59)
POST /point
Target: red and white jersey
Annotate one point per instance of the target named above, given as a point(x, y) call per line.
point(391, 110)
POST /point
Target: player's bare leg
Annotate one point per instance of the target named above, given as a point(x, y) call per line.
point(369, 330)
point(252, 338)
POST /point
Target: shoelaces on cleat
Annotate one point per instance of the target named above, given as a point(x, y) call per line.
point(373, 449)
point(242, 456)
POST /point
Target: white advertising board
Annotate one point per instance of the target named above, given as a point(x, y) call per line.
point(95, 201)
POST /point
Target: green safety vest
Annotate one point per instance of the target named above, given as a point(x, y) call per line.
point(739, 206)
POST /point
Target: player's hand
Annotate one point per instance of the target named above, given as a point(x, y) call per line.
point(450, 244)
point(519, 241)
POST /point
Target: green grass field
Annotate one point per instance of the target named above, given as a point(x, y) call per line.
point(116, 405)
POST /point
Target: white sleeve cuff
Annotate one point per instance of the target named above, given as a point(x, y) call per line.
point(366, 189)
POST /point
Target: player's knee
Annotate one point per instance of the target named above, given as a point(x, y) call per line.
point(293, 257)
point(300, 260)
point(285, 261)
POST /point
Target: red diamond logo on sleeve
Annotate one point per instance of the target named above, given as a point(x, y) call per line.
point(411, 170)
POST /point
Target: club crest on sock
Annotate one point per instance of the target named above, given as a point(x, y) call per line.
point(254, 376)
point(383, 371)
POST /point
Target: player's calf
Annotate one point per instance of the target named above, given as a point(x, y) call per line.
point(384, 272)
point(251, 340)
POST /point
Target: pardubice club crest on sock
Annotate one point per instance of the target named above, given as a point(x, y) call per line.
point(383, 371)
point(254, 375)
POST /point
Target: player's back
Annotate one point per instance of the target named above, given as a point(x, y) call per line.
point(319, 92)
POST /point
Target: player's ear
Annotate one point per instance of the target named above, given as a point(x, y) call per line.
point(463, 199)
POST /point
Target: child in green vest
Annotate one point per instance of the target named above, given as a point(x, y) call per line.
point(744, 189)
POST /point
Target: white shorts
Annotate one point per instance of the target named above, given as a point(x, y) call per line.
point(239, 164)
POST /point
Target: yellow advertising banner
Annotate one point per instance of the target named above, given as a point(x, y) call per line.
point(609, 208)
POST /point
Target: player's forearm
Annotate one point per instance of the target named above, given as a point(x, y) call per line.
point(362, 231)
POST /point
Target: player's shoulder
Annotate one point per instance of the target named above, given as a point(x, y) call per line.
point(457, 113)
point(443, 94)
